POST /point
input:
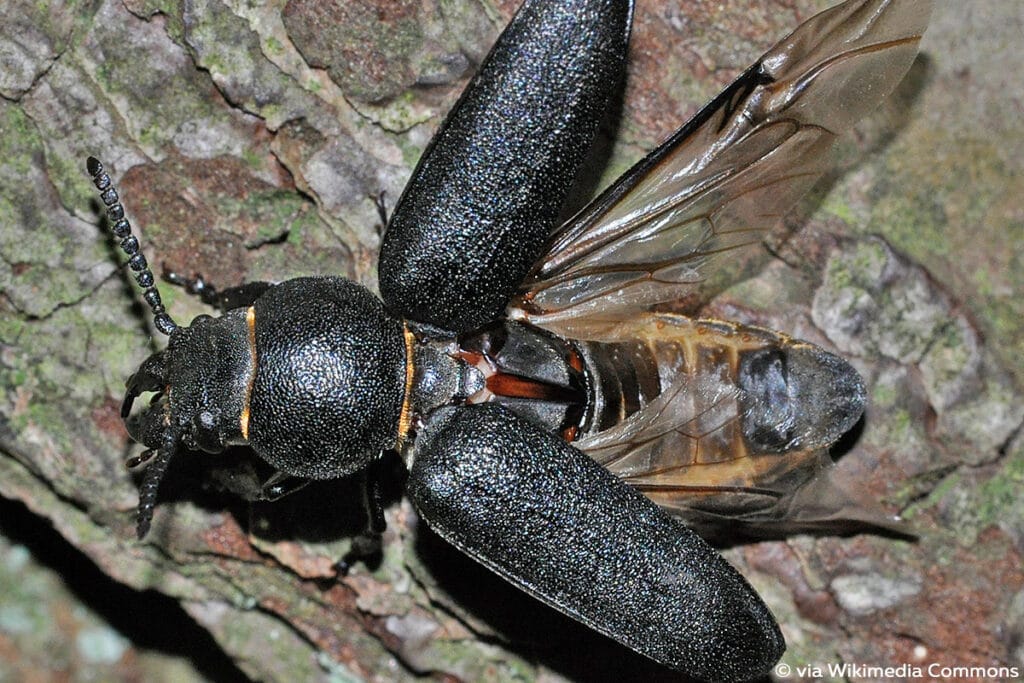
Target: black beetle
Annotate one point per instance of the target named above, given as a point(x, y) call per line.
point(501, 338)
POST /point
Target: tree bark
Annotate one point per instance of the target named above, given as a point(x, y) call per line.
point(250, 142)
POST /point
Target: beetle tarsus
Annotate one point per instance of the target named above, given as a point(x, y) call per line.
point(240, 296)
point(365, 548)
point(140, 460)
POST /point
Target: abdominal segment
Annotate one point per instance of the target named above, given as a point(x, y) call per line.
point(683, 377)
point(741, 416)
point(705, 417)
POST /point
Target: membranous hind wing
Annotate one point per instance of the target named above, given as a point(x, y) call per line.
point(737, 430)
point(726, 177)
point(740, 431)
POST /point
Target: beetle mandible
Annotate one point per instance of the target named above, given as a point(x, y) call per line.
point(518, 365)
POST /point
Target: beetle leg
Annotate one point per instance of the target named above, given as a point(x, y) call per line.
point(242, 480)
point(382, 211)
point(225, 300)
point(279, 485)
point(373, 499)
point(367, 545)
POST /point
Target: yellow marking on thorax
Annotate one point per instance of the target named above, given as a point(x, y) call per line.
point(405, 416)
point(250, 325)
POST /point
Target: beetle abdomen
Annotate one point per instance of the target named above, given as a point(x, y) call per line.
point(330, 377)
point(741, 414)
point(735, 390)
point(534, 373)
point(556, 524)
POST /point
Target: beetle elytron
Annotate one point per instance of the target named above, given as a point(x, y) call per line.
point(502, 338)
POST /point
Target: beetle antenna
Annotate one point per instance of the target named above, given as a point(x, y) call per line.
point(121, 228)
point(155, 469)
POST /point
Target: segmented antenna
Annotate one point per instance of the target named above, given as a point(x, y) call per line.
point(121, 228)
point(155, 470)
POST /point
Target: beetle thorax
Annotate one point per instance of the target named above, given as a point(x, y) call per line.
point(330, 378)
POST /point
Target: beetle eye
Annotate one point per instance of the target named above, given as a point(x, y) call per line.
point(204, 434)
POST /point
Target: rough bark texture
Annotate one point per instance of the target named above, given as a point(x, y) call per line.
point(239, 160)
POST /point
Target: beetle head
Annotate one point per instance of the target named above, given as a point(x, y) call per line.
point(200, 381)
